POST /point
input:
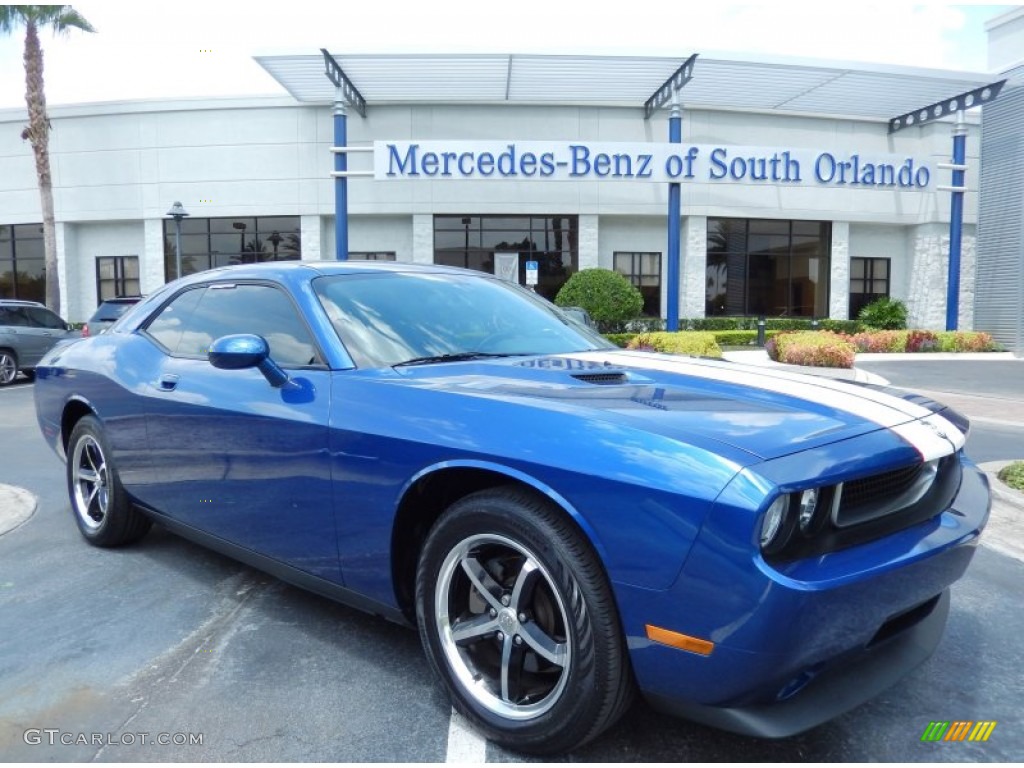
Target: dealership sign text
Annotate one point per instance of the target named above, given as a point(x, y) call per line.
point(624, 161)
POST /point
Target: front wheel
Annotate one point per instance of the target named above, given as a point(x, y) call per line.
point(8, 367)
point(103, 511)
point(516, 617)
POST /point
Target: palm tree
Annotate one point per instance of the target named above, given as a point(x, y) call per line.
point(61, 19)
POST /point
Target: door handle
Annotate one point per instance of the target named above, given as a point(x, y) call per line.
point(168, 382)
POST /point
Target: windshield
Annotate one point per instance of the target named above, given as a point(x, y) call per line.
point(404, 317)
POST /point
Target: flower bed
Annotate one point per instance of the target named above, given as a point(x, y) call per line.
point(700, 343)
point(822, 349)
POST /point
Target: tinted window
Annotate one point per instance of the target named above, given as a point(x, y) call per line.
point(44, 318)
point(110, 311)
point(189, 324)
point(13, 316)
point(392, 318)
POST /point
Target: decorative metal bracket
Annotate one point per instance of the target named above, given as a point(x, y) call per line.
point(947, 107)
point(679, 78)
point(337, 76)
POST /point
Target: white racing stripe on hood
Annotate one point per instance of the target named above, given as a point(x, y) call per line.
point(930, 434)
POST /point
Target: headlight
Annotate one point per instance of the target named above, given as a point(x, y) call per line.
point(774, 529)
point(808, 506)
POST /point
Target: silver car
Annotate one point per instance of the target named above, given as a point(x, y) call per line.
point(27, 332)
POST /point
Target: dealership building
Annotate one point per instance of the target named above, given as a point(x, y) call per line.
point(795, 197)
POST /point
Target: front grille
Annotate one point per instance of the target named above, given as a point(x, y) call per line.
point(615, 377)
point(869, 490)
point(869, 497)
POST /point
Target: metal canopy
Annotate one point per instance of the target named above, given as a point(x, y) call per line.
point(733, 82)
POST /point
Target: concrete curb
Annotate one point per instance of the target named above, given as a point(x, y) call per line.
point(1005, 531)
point(760, 358)
point(16, 506)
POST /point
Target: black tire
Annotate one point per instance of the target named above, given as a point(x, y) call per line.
point(539, 664)
point(102, 509)
point(8, 367)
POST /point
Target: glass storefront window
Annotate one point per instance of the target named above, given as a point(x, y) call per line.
point(22, 262)
point(472, 241)
point(770, 267)
point(209, 243)
point(644, 271)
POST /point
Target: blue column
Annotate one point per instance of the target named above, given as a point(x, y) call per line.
point(340, 182)
point(956, 221)
point(675, 136)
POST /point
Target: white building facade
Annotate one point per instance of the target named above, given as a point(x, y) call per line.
point(784, 213)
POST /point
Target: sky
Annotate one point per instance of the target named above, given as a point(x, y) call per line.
point(147, 50)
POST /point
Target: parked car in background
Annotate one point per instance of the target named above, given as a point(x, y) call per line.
point(27, 332)
point(107, 313)
point(566, 522)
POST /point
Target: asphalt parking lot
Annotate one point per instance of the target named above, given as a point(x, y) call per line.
point(167, 639)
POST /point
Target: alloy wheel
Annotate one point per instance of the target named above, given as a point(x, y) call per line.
point(503, 626)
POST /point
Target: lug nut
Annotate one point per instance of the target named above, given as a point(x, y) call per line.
point(493, 613)
point(517, 640)
point(522, 618)
point(505, 599)
point(501, 636)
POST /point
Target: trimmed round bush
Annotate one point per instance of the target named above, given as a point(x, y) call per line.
point(608, 296)
point(698, 343)
point(822, 349)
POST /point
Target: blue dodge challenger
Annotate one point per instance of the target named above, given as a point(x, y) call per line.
point(565, 522)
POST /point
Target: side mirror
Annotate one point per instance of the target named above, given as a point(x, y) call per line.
point(245, 350)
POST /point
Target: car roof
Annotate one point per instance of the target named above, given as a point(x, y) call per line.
point(21, 303)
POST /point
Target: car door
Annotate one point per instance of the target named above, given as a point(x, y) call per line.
point(232, 455)
point(44, 329)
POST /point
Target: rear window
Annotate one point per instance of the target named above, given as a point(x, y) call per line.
point(110, 311)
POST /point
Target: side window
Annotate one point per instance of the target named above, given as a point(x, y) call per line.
point(223, 309)
point(175, 319)
point(12, 316)
point(44, 318)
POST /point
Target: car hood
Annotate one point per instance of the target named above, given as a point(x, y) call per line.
point(756, 410)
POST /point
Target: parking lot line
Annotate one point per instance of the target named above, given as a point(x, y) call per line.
point(464, 744)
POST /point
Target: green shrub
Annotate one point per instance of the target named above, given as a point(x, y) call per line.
point(1013, 475)
point(770, 323)
point(822, 349)
point(699, 343)
point(620, 339)
point(966, 341)
point(885, 314)
point(735, 338)
point(609, 297)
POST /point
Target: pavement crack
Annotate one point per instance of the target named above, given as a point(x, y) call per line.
point(204, 645)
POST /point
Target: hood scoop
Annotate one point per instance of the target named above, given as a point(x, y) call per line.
point(602, 377)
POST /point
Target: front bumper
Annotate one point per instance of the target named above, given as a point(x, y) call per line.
point(795, 649)
point(836, 690)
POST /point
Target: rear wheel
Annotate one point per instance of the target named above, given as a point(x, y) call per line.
point(517, 618)
point(8, 367)
point(103, 511)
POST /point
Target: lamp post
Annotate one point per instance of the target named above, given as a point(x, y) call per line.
point(240, 226)
point(275, 240)
point(177, 213)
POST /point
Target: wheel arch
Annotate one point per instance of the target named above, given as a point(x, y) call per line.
point(74, 410)
point(431, 491)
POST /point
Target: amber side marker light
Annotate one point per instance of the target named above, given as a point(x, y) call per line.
point(679, 640)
